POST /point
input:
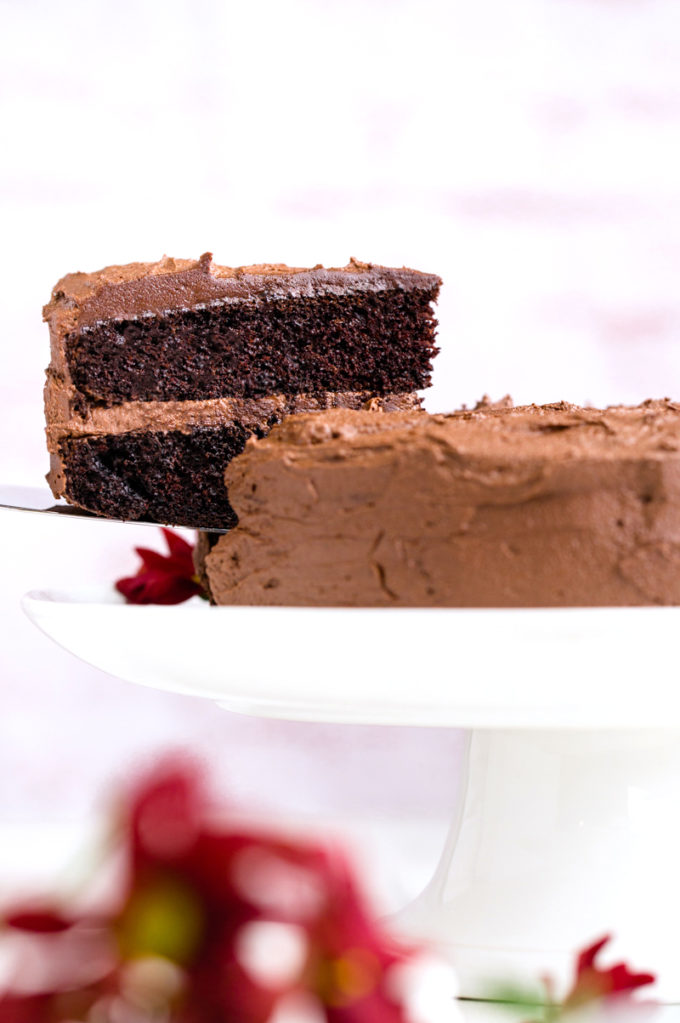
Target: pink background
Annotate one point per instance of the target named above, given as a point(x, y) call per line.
point(528, 152)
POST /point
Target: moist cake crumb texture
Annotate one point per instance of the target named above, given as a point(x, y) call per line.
point(376, 342)
point(160, 371)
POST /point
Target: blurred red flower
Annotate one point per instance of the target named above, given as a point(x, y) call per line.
point(221, 924)
point(593, 982)
point(163, 578)
point(214, 924)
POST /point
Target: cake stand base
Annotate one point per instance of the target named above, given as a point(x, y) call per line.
point(562, 837)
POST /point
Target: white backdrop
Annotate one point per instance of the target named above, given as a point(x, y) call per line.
point(528, 152)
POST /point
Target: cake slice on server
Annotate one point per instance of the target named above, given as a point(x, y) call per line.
point(160, 372)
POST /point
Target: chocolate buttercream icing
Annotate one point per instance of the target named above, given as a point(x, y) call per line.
point(65, 419)
point(139, 289)
point(254, 414)
point(551, 505)
point(81, 300)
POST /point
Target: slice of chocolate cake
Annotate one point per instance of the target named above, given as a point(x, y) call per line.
point(497, 507)
point(161, 371)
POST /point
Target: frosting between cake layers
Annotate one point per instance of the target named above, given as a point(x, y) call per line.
point(65, 420)
point(256, 414)
point(534, 506)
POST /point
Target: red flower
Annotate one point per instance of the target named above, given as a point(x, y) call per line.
point(163, 578)
point(192, 935)
point(26, 1009)
point(227, 880)
point(64, 1006)
point(38, 919)
point(591, 982)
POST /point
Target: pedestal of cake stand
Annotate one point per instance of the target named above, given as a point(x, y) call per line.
point(568, 829)
point(562, 837)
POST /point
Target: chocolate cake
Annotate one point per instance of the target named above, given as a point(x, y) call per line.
point(161, 371)
point(497, 507)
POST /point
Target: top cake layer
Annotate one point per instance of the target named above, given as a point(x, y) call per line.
point(507, 507)
point(186, 330)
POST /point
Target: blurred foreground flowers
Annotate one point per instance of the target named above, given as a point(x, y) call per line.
point(597, 994)
point(594, 982)
point(212, 925)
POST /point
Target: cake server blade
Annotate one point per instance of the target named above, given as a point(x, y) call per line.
point(36, 499)
point(41, 499)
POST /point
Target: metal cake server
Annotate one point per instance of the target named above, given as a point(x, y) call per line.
point(37, 499)
point(41, 499)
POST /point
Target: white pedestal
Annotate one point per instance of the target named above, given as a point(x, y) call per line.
point(563, 837)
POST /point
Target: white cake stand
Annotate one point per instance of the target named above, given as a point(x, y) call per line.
point(569, 828)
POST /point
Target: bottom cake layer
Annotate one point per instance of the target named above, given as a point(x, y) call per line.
point(176, 476)
point(171, 477)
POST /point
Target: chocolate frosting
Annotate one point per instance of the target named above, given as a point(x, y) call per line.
point(532, 506)
point(81, 300)
point(254, 414)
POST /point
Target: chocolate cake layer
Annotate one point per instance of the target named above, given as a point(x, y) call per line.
point(171, 477)
point(201, 356)
point(175, 475)
point(497, 507)
point(181, 331)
